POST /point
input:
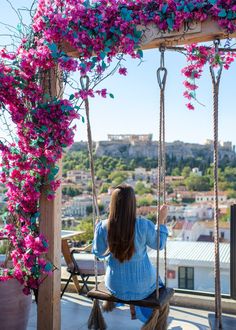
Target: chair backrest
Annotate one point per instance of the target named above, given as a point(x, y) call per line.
point(75, 264)
point(85, 264)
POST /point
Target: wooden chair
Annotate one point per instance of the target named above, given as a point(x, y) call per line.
point(83, 267)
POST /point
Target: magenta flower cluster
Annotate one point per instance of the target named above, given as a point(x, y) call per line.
point(197, 58)
point(97, 31)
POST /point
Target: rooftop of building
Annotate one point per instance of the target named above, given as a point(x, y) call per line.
point(201, 253)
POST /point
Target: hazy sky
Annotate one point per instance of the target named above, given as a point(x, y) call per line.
point(135, 107)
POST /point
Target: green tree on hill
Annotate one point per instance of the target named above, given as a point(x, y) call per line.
point(186, 171)
point(198, 183)
point(141, 189)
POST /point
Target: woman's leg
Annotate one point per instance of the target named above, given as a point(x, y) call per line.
point(108, 306)
point(132, 312)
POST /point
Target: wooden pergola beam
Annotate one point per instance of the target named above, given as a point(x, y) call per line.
point(152, 37)
point(192, 33)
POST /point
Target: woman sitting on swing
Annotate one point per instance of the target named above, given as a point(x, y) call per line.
point(123, 239)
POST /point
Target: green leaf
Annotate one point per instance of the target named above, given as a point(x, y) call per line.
point(48, 267)
point(19, 27)
point(138, 34)
point(230, 14)
point(191, 6)
point(186, 9)
point(111, 96)
point(33, 220)
point(104, 66)
point(102, 55)
point(126, 14)
point(140, 53)
point(71, 97)
point(47, 96)
point(44, 128)
point(54, 50)
point(51, 177)
point(108, 43)
point(83, 121)
point(164, 8)
point(170, 23)
point(107, 49)
point(222, 13)
point(55, 170)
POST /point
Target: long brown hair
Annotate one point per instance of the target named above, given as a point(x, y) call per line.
point(121, 222)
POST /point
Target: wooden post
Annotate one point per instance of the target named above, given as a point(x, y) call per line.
point(233, 251)
point(49, 306)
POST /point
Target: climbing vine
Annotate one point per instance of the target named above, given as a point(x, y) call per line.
point(197, 58)
point(101, 32)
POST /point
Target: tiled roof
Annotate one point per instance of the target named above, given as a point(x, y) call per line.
point(210, 193)
point(178, 225)
point(193, 253)
point(185, 225)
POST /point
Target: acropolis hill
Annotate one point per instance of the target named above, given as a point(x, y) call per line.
point(142, 146)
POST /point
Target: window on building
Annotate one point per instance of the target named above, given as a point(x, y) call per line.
point(186, 278)
point(222, 234)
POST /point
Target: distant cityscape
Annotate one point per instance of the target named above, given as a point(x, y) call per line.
point(133, 159)
point(133, 146)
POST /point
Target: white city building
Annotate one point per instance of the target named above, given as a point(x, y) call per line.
point(190, 265)
point(196, 171)
point(77, 206)
point(140, 173)
point(198, 212)
point(208, 196)
point(79, 176)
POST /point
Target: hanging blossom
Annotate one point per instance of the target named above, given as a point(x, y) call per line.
point(97, 32)
point(197, 58)
point(43, 130)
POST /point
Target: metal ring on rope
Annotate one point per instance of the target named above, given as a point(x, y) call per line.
point(162, 71)
point(84, 82)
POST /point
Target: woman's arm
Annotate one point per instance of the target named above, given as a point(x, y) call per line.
point(152, 230)
point(100, 245)
point(163, 214)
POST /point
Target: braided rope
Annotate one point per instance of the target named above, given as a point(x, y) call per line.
point(84, 81)
point(216, 84)
point(164, 177)
point(161, 79)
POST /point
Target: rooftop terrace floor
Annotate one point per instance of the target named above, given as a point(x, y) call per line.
point(76, 310)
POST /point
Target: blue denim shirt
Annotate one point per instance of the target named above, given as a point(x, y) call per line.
point(134, 279)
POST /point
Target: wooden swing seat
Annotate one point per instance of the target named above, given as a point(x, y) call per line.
point(165, 294)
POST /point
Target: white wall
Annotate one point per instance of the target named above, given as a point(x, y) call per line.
point(203, 278)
